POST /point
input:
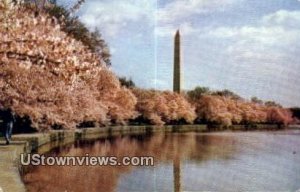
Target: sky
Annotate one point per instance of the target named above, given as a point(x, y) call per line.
point(248, 46)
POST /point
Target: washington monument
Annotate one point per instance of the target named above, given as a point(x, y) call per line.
point(177, 65)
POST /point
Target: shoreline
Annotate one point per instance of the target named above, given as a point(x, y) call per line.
point(11, 170)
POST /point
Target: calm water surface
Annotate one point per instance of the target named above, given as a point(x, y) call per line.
point(239, 161)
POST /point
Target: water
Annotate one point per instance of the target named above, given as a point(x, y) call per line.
point(239, 161)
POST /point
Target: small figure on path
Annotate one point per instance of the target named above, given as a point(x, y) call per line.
point(9, 119)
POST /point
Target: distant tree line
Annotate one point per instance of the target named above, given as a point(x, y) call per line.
point(126, 82)
point(296, 112)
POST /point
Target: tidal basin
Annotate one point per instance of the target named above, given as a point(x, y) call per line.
point(218, 161)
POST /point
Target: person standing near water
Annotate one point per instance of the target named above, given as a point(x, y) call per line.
point(9, 119)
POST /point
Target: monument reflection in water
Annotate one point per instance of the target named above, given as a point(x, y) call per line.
point(252, 161)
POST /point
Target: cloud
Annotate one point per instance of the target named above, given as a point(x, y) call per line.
point(185, 28)
point(263, 35)
point(273, 33)
point(181, 9)
point(265, 53)
point(177, 15)
point(290, 19)
point(112, 16)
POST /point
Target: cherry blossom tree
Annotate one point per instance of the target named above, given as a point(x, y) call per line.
point(52, 78)
point(162, 107)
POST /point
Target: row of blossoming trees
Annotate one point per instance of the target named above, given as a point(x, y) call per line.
point(56, 81)
point(228, 111)
point(166, 107)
